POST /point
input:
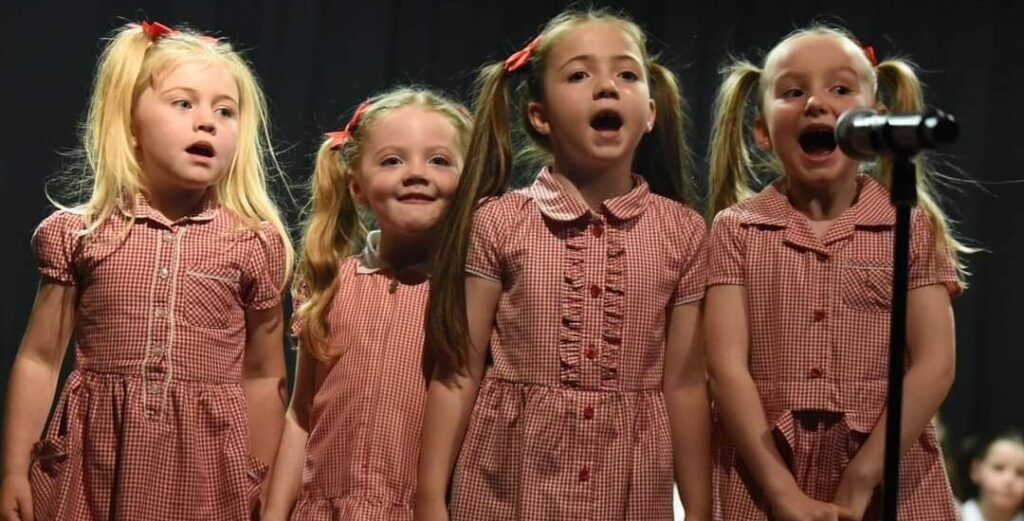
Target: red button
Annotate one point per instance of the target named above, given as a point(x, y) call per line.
point(816, 372)
point(597, 229)
point(588, 412)
point(819, 315)
point(595, 291)
point(591, 352)
point(584, 474)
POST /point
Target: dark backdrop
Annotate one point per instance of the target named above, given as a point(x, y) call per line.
point(318, 59)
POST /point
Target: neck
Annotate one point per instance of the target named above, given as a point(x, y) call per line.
point(174, 203)
point(593, 186)
point(994, 513)
point(822, 202)
point(401, 251)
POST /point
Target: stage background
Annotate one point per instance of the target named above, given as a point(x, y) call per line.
point(319, 59)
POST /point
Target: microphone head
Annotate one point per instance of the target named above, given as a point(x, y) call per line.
point(939, 128)
point(856, 145)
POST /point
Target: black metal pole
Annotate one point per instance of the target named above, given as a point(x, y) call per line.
point(904, 199)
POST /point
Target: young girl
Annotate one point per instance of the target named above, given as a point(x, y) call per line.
point(170, 278)
point(591, 284)
point(800, 290)
point(998, 474)
point(352, 435)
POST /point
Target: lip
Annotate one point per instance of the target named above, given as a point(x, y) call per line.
point(199, 157)
point(416, 198)
point(816, 159)
point(607, 134)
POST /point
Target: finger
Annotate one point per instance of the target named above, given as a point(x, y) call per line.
point(25, 508)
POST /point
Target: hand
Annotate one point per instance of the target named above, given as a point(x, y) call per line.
point(16, 499)
point(431, 510)
point(854, 493)
point(796, 506)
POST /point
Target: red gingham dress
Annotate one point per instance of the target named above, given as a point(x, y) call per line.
point(819, 344)
point(367, 412)
point(570, 421)
point(152, 423)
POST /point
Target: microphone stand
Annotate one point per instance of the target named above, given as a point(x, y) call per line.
point(904, 198)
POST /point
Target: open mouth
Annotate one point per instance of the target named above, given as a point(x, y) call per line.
point(201, 148)
point(818, 140)
point(606, 121)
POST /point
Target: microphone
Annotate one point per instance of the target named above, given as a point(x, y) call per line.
point(864, 134)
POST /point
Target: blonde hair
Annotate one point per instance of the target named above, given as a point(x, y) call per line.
point(733, 162)
point(662, 158)
point(335, 226)
point(129, 64)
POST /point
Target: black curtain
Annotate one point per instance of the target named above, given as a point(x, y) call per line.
point(318, 59)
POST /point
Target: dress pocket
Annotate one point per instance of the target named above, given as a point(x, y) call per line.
point(211, 298)
point(255, 473)
point(867, 285)
point(47, 475)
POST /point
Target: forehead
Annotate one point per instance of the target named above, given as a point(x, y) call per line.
point(197, 74)
point(812, 53)
point(408, 124)
point(595, 38)
point(1006, 451)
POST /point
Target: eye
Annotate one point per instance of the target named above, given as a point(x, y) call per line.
point(391, 161)
point(226, 112)
point(630, 76)
point(577, 76)
point(792, 92)
point(183, 104)
point(841, 90)
point(440, 160)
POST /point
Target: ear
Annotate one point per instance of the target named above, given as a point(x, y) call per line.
point(975, 470)
point(881, 108)
point(538, 118)
point(652, 116)
point(762, 138)
point(355, 189)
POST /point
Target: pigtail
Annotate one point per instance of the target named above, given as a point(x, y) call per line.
point(107, 154)
point(488, 172)
point(730, 163)
point(332, 233)
point(902, 91)
point(663, 157)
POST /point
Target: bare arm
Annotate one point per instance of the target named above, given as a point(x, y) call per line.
point(685, 386)
point(291, 452)
point(450, 405)
point(32, 386)
point(263, 381)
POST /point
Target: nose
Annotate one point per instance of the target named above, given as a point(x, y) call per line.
point(415, 174)
point(606, 88)
point(815, 106)
point(205, 122)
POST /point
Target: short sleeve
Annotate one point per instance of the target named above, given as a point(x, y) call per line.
point(930, 263)
point(263, 276)
point(694, 274)
point(725, 251)
point(483, 256)
point(56, 242)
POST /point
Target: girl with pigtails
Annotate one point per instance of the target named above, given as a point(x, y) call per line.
point(800, 289)
point(351, 441)
point(583, 291)
point(169, 280)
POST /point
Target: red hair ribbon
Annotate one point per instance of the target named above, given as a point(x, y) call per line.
point(339, 137)
point(520, 58)
point(156, 30)
point(869, 52)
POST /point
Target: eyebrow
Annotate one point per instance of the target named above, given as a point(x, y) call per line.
point(592, 58)
point(195, 94)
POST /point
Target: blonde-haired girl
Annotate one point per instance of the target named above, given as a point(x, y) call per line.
point(169, 278)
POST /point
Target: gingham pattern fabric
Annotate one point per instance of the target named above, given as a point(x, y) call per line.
point(819, 342)
point(367, 410)
point(152, 422)
point(570, 421)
